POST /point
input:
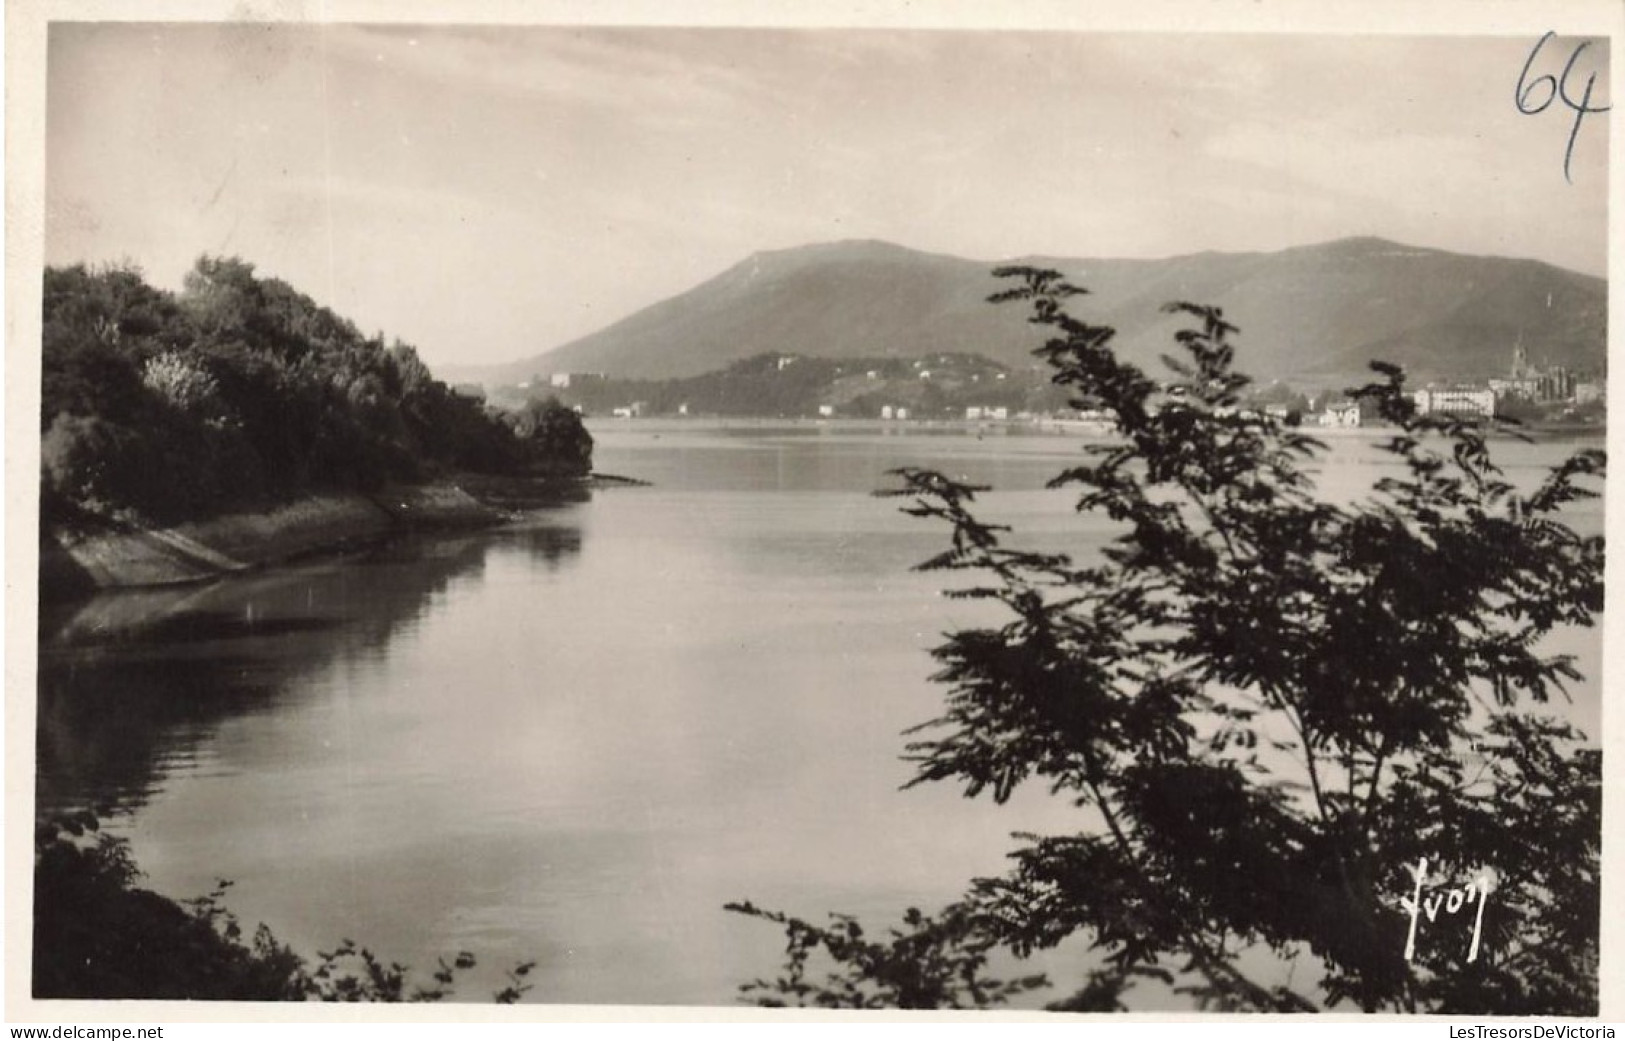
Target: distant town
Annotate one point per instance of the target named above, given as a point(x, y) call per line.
point(970, 388)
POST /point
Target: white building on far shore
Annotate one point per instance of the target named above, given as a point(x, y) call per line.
point(1455, 402)
point(1341, 414)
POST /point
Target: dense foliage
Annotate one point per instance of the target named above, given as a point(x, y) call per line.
point(98, 936)
point(930, 965)
point(1298, 733)
point(552, 437)
point(238, 390)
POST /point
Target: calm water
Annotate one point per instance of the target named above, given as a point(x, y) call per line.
point(573, 741)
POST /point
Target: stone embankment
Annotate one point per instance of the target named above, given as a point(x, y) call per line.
point(110, 557)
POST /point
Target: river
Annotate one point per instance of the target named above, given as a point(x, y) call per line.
point(575, 739)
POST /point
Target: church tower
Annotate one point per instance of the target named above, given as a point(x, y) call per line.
point(1520, 360)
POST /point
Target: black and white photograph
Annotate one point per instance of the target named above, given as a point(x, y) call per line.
point(653, 509)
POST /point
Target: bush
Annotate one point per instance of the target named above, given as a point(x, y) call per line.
point(98, 464)
point(98, 936)
point(554, 438)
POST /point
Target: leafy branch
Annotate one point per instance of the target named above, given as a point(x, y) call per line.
point(1266, 705)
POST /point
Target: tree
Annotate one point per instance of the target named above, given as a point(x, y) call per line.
point(94, 464)
point(556, 440)
point(158, 408)
point(181, 383)
point(1289, 725)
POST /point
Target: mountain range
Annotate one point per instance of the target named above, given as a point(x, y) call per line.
point(1309, 313)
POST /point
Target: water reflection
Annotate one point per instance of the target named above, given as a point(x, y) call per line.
point(547, 544)
point(133, 684)
point(508, 745)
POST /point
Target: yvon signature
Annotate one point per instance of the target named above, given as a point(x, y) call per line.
point(1455, 901)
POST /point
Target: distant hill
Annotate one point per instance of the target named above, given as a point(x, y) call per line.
point(1311, 313)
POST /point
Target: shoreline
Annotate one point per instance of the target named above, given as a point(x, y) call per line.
point(1047, 427)
point(112, 555)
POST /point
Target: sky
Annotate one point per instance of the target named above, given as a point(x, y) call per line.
point(489, 193)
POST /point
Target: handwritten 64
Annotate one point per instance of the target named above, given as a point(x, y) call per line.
point(1452, 902)
point(1531, 102)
